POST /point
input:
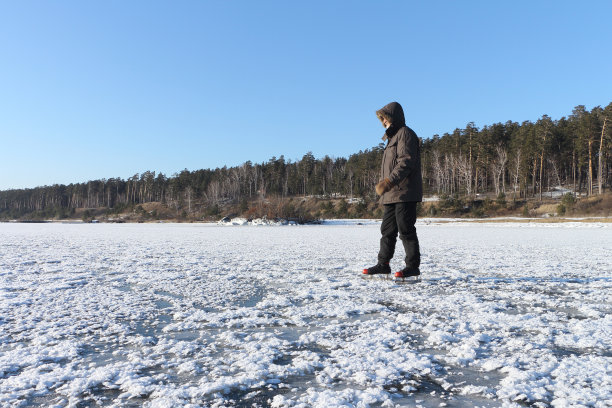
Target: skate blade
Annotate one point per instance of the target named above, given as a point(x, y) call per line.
point(407, 281)
point(383, 276)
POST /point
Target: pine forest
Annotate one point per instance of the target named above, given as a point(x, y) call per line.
point(497, 169)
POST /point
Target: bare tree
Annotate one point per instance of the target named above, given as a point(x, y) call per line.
point(188, 194)
point(464, 170)
point(449, 171)
point(555, 170)
point(600, 162)
point(437, 170)
point(590, 170)
point(516, 170)
point(498, 166)
point(213, 192)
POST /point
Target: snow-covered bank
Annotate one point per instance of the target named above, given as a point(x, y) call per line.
point(204, 315)
point(597, 221)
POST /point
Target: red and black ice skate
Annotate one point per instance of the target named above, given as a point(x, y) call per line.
point(407, 272)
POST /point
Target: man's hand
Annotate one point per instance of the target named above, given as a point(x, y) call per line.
point(383, 186)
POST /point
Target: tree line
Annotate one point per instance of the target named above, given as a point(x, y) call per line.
point(524, 160)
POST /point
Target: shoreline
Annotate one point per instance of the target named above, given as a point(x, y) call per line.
point(357, 221)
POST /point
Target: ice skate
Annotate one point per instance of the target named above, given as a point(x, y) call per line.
point(379, 269)
point(413, 275)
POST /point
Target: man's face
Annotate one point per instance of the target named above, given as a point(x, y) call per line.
point(385, 123)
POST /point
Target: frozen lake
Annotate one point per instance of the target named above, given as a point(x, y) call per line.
point(166, 315)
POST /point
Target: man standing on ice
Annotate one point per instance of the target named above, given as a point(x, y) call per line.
point(400, 188)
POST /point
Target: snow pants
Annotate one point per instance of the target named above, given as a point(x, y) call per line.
point(400, 217)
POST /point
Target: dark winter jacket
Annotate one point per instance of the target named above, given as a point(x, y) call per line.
point(401, 159)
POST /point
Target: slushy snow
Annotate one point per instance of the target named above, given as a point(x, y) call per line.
point(199, 315)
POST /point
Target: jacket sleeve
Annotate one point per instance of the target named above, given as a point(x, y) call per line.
point(407, 153)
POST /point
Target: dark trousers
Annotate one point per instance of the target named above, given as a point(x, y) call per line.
point(400, 217)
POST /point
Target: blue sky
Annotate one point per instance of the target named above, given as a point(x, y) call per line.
point(100, 89)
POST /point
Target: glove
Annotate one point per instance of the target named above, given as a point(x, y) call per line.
point(383, 186)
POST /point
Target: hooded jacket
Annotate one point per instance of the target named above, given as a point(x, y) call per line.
point(401, 162)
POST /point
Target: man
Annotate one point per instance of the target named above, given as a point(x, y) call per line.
point(400, 188)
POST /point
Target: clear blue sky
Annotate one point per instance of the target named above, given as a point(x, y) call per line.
point(100, 89)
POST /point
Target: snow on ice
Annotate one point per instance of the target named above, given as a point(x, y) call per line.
point(164, 315)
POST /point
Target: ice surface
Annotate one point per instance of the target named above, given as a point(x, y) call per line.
point(164, 315)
